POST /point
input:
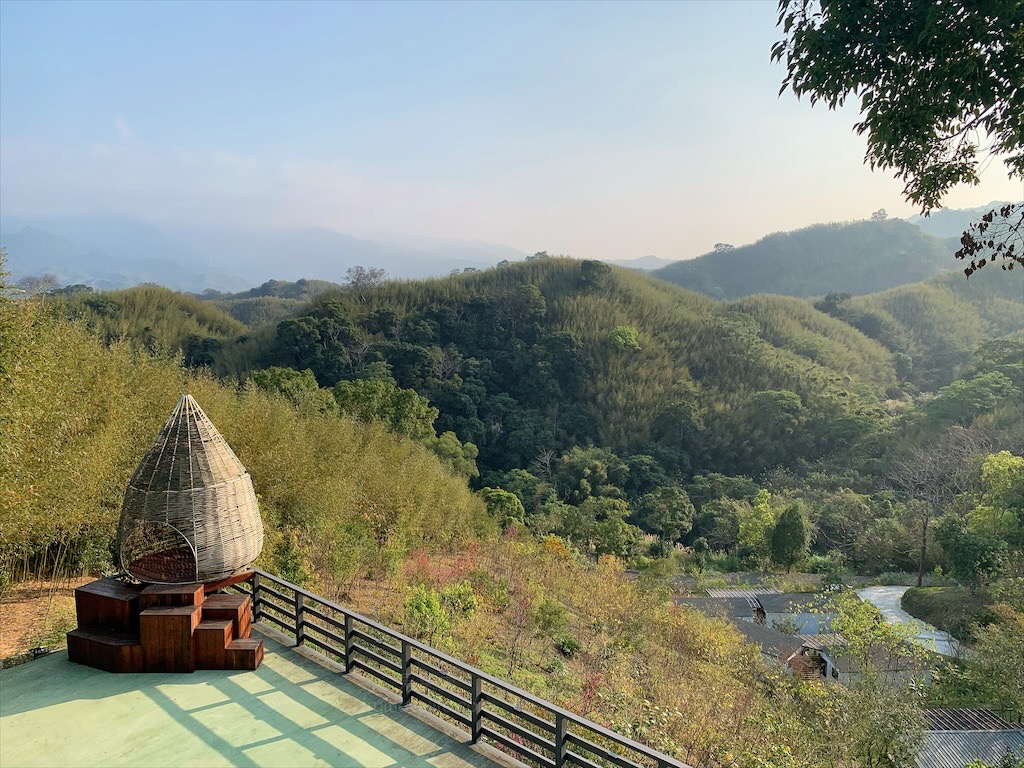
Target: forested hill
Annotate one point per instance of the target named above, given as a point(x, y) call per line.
point(152, 316)
point(269, 303)
point(935, 326)
point(856, 258)
point(533, 359)
point(577, 396)
point(545, 355)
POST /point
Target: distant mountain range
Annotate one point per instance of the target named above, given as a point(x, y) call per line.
point(112, 253)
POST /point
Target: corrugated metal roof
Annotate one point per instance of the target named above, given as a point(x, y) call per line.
point(798, 602)
point(773, 643)
point(950, 719)
point(718, 606)
point(954, 749)
point(823, 641)
point(742, 592)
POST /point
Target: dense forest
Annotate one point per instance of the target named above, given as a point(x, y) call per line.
point(605, 407)
point(478, 459)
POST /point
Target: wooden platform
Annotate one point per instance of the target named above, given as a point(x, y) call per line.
point(161, 628)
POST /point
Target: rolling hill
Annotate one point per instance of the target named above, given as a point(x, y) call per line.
point(857, 258)
point(548, 354)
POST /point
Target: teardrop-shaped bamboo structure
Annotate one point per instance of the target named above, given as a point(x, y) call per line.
point(190, 513)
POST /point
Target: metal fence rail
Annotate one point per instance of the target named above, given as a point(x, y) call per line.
point(535, 731)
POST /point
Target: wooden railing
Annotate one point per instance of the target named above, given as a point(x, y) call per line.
point(534, 731)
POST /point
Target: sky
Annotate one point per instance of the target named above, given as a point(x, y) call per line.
point(595, 129)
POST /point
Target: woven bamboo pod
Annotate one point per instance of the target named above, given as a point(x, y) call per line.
point(190, 513)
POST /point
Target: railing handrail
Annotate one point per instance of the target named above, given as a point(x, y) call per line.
point(560, 714)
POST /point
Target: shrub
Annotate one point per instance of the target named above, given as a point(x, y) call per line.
point(425, 617)
point(459, 599)
point(568, 646)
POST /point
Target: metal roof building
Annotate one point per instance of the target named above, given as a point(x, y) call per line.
point(955, 737)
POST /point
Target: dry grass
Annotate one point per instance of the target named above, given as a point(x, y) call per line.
point(36, 613)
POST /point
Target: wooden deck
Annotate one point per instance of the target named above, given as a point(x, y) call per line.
point(291, 711)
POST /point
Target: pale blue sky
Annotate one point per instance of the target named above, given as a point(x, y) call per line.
point(607, 130)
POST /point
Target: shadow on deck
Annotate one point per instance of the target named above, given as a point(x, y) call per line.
point(291, 711)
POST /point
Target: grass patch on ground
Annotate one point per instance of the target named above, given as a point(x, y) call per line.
point(952, 609)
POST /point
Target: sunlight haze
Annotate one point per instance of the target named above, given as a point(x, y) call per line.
point(597, 130)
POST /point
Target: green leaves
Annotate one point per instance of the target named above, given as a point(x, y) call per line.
point(932, 79)
point(789, 537)
point(624, 337)
point(402, 410)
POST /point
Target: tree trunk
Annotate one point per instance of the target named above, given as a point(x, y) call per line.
point(924, 548)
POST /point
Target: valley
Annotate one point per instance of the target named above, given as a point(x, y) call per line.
point(518, 465)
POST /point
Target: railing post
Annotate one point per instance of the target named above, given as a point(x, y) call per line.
point(255, 597)
point(349, 642)
point(300, 619)
point(406, 673)
point(561, 744)
point(477, 708)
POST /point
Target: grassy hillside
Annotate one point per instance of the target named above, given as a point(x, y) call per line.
point(795, 325)
point(76, 415)
point(150, 314)
point(857, 258)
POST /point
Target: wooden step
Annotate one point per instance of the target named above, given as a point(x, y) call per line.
point(243, 654)
point(108, 603)
point(109, 650)
point(236, 608)
point(210, 642)
point(166, 636)
point(171, 594)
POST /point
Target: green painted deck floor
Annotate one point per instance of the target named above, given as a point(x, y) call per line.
point(290, 712)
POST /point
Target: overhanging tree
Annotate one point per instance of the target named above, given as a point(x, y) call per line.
point(941, 88)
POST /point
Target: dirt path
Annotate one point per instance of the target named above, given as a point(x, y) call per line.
point(36, 613)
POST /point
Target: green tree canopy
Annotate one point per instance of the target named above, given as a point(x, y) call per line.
point(789, 537)
point(666, 511)
point(404, 411)
point(1000, 511)
point(934, 80)
point(461, 457)
point(755, 524)
point(965, 399)
point(504, 506)
point(585, 472)
point(300, 387)
point(624, 337)
point(974, 558)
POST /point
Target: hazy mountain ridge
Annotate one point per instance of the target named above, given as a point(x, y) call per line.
point(33, 251)
point(952, 222)
point(643, 263)
point(110, 253)
point(857, 258)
